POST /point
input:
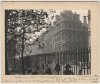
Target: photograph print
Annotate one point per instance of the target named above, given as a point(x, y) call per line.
point(47, 42)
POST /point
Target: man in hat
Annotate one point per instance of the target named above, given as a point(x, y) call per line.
point(57, 68)
point(68, 71)
point(48, 70)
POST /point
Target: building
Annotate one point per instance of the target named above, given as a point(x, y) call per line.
point(67, 33)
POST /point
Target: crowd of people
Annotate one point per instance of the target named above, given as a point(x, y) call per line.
point(46, 69)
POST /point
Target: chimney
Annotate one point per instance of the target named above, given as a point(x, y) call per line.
point(89, 15)
point(84, 21)
point(57, 17)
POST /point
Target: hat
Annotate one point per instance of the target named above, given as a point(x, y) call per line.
point(67, 66)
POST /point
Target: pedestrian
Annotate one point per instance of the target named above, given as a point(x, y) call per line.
point(68, 71)
point(48, 71)
point(80, 70)
point(34, 73)
point(42, 68)
point(57, 68)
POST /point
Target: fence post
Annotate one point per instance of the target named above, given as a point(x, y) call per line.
point(61, 62)
point(87, 54)
point(80, 70)
point(84, 58)
point(74, 60)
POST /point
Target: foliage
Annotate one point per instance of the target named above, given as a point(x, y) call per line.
point(29, 22)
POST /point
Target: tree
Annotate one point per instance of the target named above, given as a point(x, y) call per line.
point(21, 28)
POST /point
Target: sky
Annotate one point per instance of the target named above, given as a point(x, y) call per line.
point(80, 12)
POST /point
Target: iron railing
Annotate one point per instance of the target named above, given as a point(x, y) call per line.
point(78, 59)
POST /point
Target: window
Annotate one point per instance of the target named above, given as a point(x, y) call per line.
point(66, 25)
point(64, 47)
point(61, 26)
point(64, 36)
point(58, 38)
point(69, 25)
point(58, 47)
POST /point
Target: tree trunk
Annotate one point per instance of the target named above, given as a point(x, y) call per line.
point(14, 49)
point(23, 70)
point(6, 65)
point(6, 60)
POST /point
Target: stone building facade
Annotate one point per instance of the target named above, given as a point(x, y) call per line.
point(67, 33)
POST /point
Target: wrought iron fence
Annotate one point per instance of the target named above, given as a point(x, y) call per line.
point(78, 59)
